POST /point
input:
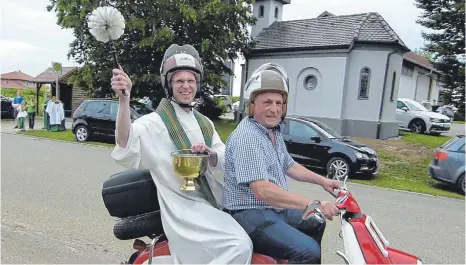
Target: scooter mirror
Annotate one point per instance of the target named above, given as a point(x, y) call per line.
point(331, 173)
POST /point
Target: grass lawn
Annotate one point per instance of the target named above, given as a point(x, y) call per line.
point(403, 162)
point(64, 135)
point(459, 122)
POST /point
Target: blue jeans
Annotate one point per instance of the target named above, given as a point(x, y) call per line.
point(283, 234)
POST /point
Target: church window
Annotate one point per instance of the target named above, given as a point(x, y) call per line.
point(276, 12)
point(261, 11)
point(364, 81)
point(310, 82)
point(392, 93)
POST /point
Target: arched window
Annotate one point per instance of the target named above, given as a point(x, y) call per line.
point(392, 93)
point(364, 81)
point(276, 12)
point(261, 11)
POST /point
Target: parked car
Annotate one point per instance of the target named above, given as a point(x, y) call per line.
point(225, 101)
point(97, 117)
point(7, 107)
point(315, 145)
point(413, 116)
point(447, 164)
point(235, 106)
point(446, 110)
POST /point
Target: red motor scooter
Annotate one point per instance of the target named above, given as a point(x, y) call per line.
point(363, 241)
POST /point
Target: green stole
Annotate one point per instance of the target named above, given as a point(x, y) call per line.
point(177, 134)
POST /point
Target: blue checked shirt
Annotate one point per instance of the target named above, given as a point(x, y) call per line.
point(250, 155)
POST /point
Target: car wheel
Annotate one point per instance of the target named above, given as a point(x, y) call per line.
point(82, 133)
point(417, 126)
point(341, 167)
point(228, 109)
point(462, 184)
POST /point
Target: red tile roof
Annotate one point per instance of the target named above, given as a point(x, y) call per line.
point(12, 84)
point(17, 75)
point(419, 60)
point(48, 75)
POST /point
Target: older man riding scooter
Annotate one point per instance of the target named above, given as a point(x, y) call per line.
point(256, 189)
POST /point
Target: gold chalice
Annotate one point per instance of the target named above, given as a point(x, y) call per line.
point(189, 165)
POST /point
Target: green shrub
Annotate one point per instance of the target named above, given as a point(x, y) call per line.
point(211, 107)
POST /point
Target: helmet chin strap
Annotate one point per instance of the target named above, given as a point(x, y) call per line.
point(186, 106)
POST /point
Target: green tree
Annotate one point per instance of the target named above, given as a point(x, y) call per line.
point(216, 28)
point(445, 19)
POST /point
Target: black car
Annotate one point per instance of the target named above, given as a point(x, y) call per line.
point(315, 145)
point(97, 117)
point(7, 107)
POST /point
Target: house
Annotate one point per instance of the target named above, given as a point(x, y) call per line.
point(16, 80)
point(71, 96)
point(343, 70)
point(419, 80)
point(228, 89)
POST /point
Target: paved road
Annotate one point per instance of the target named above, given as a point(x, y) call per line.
point(456, 129)
point(52, 210)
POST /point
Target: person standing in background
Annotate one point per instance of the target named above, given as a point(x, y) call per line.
point(31, 110)
point(16, 105)
point(21, 117)
point(45, 113)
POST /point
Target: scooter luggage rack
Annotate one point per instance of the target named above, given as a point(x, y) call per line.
point(378, 237)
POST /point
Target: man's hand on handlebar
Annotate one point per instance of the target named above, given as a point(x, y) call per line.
point(330, 184)
point(329, 209)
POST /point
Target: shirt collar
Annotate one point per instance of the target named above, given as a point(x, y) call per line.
point(263, 128)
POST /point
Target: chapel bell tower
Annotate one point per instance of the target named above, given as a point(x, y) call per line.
point(267, 12)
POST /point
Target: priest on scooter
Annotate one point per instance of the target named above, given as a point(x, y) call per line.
point(198, 231)
point(256, 188)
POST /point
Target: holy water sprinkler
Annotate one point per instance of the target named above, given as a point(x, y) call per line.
point(107, 24)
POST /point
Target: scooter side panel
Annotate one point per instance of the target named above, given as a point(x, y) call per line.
point(401, 257)
point(352, 248)
point(366, 243)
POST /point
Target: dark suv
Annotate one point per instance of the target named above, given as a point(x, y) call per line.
point(97, 117)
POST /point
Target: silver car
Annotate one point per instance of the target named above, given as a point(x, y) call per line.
point(448, 163)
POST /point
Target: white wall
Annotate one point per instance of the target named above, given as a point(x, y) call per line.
point(406, 89)
point(417, 87)
point(269, 15)
point(323, 101)
point(369, 109)
point(422, 87)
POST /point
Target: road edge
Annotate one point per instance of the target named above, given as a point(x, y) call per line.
point(351, 183)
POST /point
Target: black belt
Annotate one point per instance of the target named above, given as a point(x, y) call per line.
point(232, 212)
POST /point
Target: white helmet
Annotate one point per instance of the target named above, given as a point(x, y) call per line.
point(269, 77)
point(178, 58)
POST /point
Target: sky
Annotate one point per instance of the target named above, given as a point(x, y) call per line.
point(31, 40)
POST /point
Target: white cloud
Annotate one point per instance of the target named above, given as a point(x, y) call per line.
point(30, 38)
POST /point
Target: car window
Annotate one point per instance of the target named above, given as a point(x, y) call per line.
point(415, 106)
point(299, 129)
point(461, 149)
point(455, 144)
point(141, 109)
point(400, 105)
point(113, 109)
point(97, 107)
